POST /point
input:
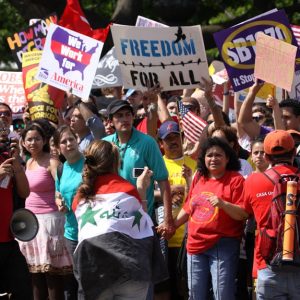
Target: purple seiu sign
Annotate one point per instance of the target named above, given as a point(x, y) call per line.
point(237, 45)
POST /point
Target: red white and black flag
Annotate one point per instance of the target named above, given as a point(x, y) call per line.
point(115, 239)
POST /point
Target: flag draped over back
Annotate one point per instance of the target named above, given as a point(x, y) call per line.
point(74, 18)
point(296, 32)
point(192, 124)
point(116, 239)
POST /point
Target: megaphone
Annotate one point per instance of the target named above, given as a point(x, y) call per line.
point(24, 225)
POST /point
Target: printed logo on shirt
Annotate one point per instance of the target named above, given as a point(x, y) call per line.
point(264, 194)
point(202, 210)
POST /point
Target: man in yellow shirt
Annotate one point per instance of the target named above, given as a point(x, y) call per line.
point(180, 168)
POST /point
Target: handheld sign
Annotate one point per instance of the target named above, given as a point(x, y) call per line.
point(145, 22)
point(173, 56)
point(30, 39)
point(237, 45)
point(12, 91)
point(69, 60)
point(275, 61)
point(108, 72)
point(42, 98)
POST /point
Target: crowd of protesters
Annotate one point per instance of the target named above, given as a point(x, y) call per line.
point(194, 208)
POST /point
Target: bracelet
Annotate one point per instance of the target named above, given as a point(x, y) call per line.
point(226, 94)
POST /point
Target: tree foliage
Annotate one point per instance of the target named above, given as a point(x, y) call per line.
point(212, 15)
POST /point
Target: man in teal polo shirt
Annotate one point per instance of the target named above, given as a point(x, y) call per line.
point(138, 150)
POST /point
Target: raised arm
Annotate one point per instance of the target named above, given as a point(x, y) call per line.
point(245, 121)
point(214, 108)
point(276, 112)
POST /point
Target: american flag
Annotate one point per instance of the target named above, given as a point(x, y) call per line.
point(192, 124)
point(296, 32)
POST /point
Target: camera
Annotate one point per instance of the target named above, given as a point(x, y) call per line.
point(136, 172)
point(5, 145)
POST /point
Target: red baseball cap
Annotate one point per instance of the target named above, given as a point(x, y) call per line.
point(278, 142)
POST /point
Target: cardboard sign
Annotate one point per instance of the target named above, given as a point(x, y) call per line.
point(108, 72)
point(12, 91)
point(237, 45)
point(275, 61)
point(69, 60)
point(174, 57)
point(30, 39)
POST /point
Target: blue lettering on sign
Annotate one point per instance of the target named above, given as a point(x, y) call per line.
point(157, 48)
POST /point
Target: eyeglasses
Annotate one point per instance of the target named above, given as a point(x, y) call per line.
point(5, 113)
point(17, 126)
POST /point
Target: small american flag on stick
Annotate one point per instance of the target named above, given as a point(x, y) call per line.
point(192, 124)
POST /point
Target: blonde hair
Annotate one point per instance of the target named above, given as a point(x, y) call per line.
point(101, 157)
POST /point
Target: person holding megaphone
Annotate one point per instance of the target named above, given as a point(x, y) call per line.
point(14, 275)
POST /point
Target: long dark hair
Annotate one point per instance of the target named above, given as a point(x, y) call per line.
point(233, 161)
point(41, 131)
point(101, 157)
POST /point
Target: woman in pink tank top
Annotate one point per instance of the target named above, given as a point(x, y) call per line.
point(46, 254)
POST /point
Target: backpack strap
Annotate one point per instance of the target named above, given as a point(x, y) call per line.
point(272, 175)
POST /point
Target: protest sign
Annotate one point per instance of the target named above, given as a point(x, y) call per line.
point(237, 45)
point(145, 22)
point(108, 72)
point(174, 57)
point(30, 39)
point(69, 60)
point(275, 61)
point(42, 99)
point(12, 91)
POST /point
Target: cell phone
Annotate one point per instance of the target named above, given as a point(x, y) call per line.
point(136, 172)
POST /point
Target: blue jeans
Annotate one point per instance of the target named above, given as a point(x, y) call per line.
point(278, 285)
point(221, 263)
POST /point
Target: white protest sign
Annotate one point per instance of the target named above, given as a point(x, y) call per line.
point(108, 73)
point(69, 60)
point(174, 57)
point(145, 22)
point(12, 91)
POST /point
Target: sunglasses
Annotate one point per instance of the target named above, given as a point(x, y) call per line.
point(5, 113)
point(17, 126)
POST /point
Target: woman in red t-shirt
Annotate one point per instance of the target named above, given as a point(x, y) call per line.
point(213, 233)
